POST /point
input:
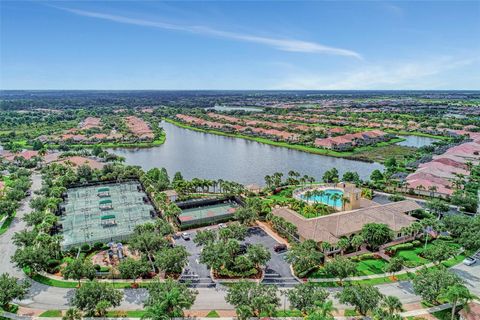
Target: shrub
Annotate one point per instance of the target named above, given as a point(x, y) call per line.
point(97, 267)
point(73, 251)
point(396, 197)
point(403, 246)
point(104, 269)
point(52, 263)
point(85, 247)
point(97, 245)
point(365, 256)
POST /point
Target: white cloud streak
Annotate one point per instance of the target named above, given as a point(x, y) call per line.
point(431, 73)
point(291, 45)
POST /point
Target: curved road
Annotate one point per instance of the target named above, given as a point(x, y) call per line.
point(46, 297)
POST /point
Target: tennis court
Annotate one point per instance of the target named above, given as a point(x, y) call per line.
point(103, 213)
point(208, 214)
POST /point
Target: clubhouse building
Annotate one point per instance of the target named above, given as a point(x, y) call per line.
point(330, 228)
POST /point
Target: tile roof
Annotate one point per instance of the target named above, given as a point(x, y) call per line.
point(331, 227)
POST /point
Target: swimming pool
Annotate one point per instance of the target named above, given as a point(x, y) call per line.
point(330, 197)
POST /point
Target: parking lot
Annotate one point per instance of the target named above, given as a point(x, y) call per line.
point(277, 269)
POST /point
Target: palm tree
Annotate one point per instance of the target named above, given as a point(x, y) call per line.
point(469, 165)
point(220, 183)
point(420, 188)
point(308, 195)
point(343, 244)
point(323, 310)
point(172, 211)
point(316, 195)
point(325, 247)
point(345, 200)
point(321, 194)
point(335, 197)
point(268, 181)
point(214, 185)
point(432, 190)
point(457, 294)
point(357, 241)
point(416, 228)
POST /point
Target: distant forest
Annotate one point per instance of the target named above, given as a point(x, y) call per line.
point(20, 99)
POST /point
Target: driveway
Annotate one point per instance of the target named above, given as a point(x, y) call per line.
point(277, 269)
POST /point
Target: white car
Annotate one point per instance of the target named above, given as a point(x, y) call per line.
point(469, 261)
point(185, 236)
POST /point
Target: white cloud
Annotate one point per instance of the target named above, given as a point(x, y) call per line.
point(291, 45)
point(428, 74)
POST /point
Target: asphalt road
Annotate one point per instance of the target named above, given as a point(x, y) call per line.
point(7, 249)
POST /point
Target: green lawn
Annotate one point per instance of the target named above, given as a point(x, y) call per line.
point(283, 195)
point(444, 314)
point(6, 224)
point(213, 314)
point(350, 313)
point(51, 314)
point(364, 268)
point(70, 284)
point(413, 258)
point(371, 266)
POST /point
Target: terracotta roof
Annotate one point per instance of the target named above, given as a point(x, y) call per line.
point(90, 122)
point(170, 193)
point(139, 127)
point(77, 161)
point(331, 227)
point(473, 312)
point(27, 155)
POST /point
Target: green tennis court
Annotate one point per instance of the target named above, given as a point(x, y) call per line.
point(86, 220)
point(208, 213)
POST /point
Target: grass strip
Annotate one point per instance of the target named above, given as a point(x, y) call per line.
point(6, 224)
point(51, 314)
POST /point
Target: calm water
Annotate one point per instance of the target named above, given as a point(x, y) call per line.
point(227, 108)
point(416, 141)
point(210, 156)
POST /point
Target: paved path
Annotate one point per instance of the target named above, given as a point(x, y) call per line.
point(7, 249)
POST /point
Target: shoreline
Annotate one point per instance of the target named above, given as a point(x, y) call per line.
point(349, 155)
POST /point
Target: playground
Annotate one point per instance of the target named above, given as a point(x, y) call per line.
point(103, 213)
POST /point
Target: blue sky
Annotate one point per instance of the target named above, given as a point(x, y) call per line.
point(240, 45)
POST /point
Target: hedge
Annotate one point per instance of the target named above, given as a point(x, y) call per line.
point(403, 246)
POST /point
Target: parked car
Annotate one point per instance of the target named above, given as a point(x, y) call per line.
point(469, 261)
point(185, 236)
point(221, 225)
point(279, 248)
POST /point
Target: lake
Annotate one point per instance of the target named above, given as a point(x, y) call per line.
point(227, 108)
point(416, 141)
point(209, 156)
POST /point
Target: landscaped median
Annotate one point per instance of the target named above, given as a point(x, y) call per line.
point(374, 279)
point(6, 222)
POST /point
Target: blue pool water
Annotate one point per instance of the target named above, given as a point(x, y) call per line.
point(326, 198)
